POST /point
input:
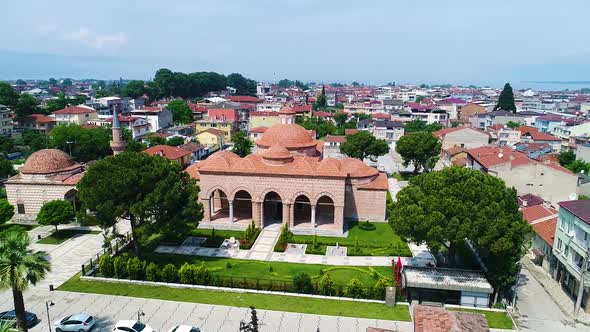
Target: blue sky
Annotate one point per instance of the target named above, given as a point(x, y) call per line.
point(432, 41)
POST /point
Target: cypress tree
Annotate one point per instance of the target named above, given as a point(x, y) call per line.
point(506, 100)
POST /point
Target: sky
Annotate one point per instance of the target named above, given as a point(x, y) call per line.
point(420, 41)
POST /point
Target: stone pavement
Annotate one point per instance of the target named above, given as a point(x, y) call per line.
point(264, 245)
point(162, 315)
point(554, 290)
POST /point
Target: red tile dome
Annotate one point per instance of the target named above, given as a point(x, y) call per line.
point(286, 135)
point(276, 152)
point(47, 161)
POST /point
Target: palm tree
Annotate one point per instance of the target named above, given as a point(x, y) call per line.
point(6, 326)
point(19, 267)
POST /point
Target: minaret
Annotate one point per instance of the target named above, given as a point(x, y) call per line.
point(117, 144)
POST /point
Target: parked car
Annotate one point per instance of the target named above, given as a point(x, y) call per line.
point(10, 316)
point(132, 326)
point(184, 328)
point(77, 322)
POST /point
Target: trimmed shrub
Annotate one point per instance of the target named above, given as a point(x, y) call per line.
point(201, 275)
point(186, 274)
point(228, 265)
point(120, 267)
point(367, 226)
point(152, 272)
point(169, 273)
point(379, 288)
point(302, 283)
point(213, 234)
point(136, 268)
point(284, 237)
point(106, 266)
point(354, 289)
point(326, 285)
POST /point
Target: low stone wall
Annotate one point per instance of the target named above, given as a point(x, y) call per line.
point(227, 289)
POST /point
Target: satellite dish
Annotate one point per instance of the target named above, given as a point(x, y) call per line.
point(500, 155)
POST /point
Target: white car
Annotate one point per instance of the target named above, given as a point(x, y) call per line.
point(78, 322)
point(131, 326)
point(184, 328)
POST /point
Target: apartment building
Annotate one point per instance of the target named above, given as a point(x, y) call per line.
point(79, 115)
point(5, 121)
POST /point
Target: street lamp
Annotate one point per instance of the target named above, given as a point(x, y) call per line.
point(47, 305)
point(69, 143)
point(140, 314)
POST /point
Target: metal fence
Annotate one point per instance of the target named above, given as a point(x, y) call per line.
point(113, 248)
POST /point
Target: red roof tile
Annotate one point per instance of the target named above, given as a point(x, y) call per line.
point(381, 116)
point(166, 151)
point(546, 230)
point(535, 213)
point(335, 139)
point(263, 113)
point(539, 136)
point(258, 130)
point(75, 110)
point(245, 99)
point(39, 118)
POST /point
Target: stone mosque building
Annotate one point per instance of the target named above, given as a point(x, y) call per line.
point(287, 181)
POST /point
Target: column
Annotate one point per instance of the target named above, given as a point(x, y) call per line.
point(207, 210)
point(231, 211)
point(292, 215)
point(211, 206)
point(256, 213)
point(339, 217)
point(261, 214)
point(313, 216)
point(286, 214)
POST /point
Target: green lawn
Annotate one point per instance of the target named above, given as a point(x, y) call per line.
point(63, 235)
point(27, 227)
point(496, 320)
point(276, 271)
point(382, 241)
point(405, 176)
point(260, 301)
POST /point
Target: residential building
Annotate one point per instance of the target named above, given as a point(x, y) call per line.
point(6, 127)
point(534, 136)
point(269, 107)
point(212, 139)
point(390, 131)
point(256, 132)
point(572, 238)
point(138, 126)
point(543, 220)
point(263, 119)
point(470, 110)
point(529, 200)
point(464, 137)
point(158, 117)
point(453, 156)
point(197, 150)
point(546, 179)
point(79, 115)
point(332, 147)
point(583, 152)
point(500, 117)
point(534, 150)
point(501, 135)
point(546, 123)
point(172, 153)
point(224, 119)
point(39, 122)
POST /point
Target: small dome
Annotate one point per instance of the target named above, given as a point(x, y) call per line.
point(286, 135)
point(221, 159)
point(276, 152)
point(47, 161)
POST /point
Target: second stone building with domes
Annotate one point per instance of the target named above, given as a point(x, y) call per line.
point(287, 181)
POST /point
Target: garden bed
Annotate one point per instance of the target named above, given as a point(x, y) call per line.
point(364, 239)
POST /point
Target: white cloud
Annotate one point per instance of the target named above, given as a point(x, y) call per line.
point(96, 40)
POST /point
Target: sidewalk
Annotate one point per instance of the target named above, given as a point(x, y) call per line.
point(552, 287)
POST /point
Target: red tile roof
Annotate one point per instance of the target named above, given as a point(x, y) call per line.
point(263, 113)
point(537, 213)
point(441, 133)
point(322, 114)
point(245, 99)
point(531, 200)
point(75, 110)
point(168, 152)
point(259, 130)
point(526, 129)
point(432, 319)
point(539, 136)
point(335, 139)
point(490, 156)
point(229, 114)
point(301, 108)
point(214, 131)
point(350, 131)
point(39, 118)
point(546, 230)
point(381, 116)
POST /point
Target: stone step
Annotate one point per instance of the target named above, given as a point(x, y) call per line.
point(223, 226)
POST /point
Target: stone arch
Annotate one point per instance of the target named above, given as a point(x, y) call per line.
point(301, 209)
point(272, 208)
point(325, 210)
point(213, 189)
point(242, 204)
point(240, 188)
point(301, 193)
point(72, 196)
point(219, 203)
point(267, 190)
point(323, 193)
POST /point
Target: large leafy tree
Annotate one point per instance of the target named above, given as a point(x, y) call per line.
point(364, 145)
point(6, 211)
point(6, 168)
point(181, 112)
point(419, 125)
point(243, 86)
point(566, 158)
point(56, 212)
point(420, 149)
point(134, 89)
point(340, 118)
point(579, 166)
point(165, 83)
point(35, 140)
point(85, 143)
point(8, 96)
point(242, 145)
point(26, 105)
point(447, 207)
point(506, 100)
point(149, 191)
point(19, 267)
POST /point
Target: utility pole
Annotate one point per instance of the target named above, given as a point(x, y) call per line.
point(581, 288)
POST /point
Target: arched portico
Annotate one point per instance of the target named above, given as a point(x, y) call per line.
point(301, 210)
point(72, 196)
point(272, 209)
point(242, 205)
point(324, 211)
point(219, 205)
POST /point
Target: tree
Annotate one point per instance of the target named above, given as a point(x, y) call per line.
point(175, 141)
point(135, 146)
point(419, 125)
point(6, 145)
point(181, 112)
point(149, 191)
point(243, 86)
point(321, 101)
point(579, 166)
point(35, 140)
point(26, 105)
point(355, 84)
point(361, 116)
point(242, 144)
point(19, 267)
point(62, 101)
point(364, 145)
point(340, 118)
point(8, 96)
point(447, 207)
point(6, 168)
point(56, 212)
point(154, 140)
point(512, 124)
point(67, 82)
point(506, 100)
point(420, 149)
point(164, 82)
point(566, 158)
point(85, 144)
point(21, 82)
point(6, 211)
point(134, 89)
